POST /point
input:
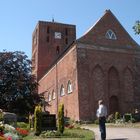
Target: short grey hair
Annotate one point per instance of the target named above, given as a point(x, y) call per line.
point(100, 102)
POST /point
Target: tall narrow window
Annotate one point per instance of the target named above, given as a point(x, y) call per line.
point(62, 91)
point(53, 95)
point(110, 35)
point(49, 96)
point(69, 87)
point(57, 49)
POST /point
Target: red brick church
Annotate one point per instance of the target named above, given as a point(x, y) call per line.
point(103, 64)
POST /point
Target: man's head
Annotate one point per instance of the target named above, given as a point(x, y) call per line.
point(100, 102)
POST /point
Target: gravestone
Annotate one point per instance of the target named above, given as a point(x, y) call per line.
point(48, 122)
point(9, 118)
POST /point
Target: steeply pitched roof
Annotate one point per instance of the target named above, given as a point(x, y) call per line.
point(96, 35)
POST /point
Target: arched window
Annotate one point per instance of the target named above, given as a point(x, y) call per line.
point(53, 95)
point(62, 91)
point(110, 35)
point(69, 87)
point(49, 96)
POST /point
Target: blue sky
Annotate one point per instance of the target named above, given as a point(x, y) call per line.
point(18, 18)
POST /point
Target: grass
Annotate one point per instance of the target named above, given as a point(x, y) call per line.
point(70, 134)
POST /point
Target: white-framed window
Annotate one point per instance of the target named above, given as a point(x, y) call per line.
point(110, 35)
point(49, 97)
point(69, 87)
point(53, 95)
point(62, 91)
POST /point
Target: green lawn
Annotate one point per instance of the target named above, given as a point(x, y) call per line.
point(69, 134)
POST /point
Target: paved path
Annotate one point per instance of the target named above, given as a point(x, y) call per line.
point(115, 133)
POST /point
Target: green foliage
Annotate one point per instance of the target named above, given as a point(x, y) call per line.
point(96, 121)
point(127, 117)
point(111, 118)
point(117, 115)
point(61, 118)
point(136, 117)
point(1, 128)
point(69, 133)
point(37, 119)
point(47, 134)
point(23, 125)
point(17, 84)
point(1, 116)
point(136, 27)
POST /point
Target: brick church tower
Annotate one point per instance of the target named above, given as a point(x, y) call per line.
point(49, 40)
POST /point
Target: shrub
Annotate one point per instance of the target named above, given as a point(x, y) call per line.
point(127, 117)
point(23, 125)
point(96, 121)
point(136, 116)
point(111, 118)
point(37, 119)
point(117, 115)
point(61, 118)
point(1, 116)
point(1, 128)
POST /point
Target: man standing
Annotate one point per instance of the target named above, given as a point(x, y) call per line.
point(101, 114)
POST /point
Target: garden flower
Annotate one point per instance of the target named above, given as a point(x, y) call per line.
point(22, 132)
point(11, 136)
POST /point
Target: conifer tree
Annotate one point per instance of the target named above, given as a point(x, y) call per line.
point(61, 118)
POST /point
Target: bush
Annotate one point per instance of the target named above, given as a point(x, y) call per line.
point(1, 115)
point(111, 118)
point(127, 117)
point(117, 115)
point(1, 128)
point(96, 121)
point(23, 125)
point(61, 118)
point(37, 119)
point(136, 116)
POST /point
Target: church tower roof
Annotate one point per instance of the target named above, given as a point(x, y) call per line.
point(108, 31)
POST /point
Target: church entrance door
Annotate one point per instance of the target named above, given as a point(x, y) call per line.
point(113, 104)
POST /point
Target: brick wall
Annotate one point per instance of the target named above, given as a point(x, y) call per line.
point(46, 47)
point(102, 74)
point(62, 72)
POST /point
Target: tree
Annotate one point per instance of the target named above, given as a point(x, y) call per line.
point(136, 27)
point(37, 119)
point(17, 84)
point(61, 118)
